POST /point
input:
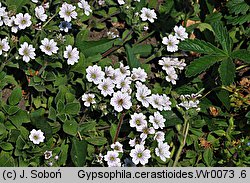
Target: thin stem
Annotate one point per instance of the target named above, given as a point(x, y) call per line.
point(119, 127)
point(183, 143)
point(80, 136)
point(153, 56)
point(144, 38)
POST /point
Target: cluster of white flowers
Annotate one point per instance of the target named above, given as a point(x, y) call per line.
point(173, 41)
point(170, 65)
point(48, 47)
point(190, 101)
point(119, 84)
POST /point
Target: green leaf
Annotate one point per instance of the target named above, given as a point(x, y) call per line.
point(208, 156)
point(144, 50)
point(15, 96)
point(113, 129)
point(70, 127)
point(171, 118)
point(227, 72)
point(69, 40)
point(16, 5)
point(63, 154)
point(222, 36)
point(201, 64)
point(99, 141)
point(19, 118)
point(72, 108)
point(78, 152)
point(220, 132)
point(91, 48)
point(200, 46)
point(237, 6)
point(6, 160)
point(133, 62)
point(52, 114)
point(6, 146)
point(243, 55)
point(223, 96)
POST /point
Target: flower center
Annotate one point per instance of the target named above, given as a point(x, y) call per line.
point(89, 99)
point(93, 75)
point(26, 52)
point(138, 122)
point(23, 21)
point(112, 158)
point(139, 155)
point(105, 87)
point(36, 137)
point(48, 48)
point(120, 102)
point(68, 13)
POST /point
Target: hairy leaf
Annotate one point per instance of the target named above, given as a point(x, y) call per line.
point(78, 152)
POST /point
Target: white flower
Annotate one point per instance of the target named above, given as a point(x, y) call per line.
point(138, 120)
point(47, 154)
point(163, 151)
point(133, 142)
point(166, 103)
point(140, 155)
point(27, 51)
point(99, 158)
point(3, 15)
point(95, 74)
point(88, 99)
point(147, 14)
point(180, 33)
point(156, 101)
point(36, 136)
point(11, 23)
point(146, 131)
point(48, 46)
point(123, 70)
point(34, 1)
point(23, 21)
point(142, 94)
point(4, 45)
point(112, 158)
point(171, 42)
point(67, 12)
point(121, 100)
point(172, 77)
point(157, 120)
point(139, 74)
point(71, 54)
point(120, 2)
point(85, 6)
point(109, 71)
point(190, 101)
point(117, 146)
point(159, 136)
point(106, 87)
point(40, 13)
point(116, 76)
point(123, 84)
point(101, 2)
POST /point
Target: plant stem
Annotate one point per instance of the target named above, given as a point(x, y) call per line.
point(183, 143)
point(119, 127)
point(153, 56)
point(144, 38)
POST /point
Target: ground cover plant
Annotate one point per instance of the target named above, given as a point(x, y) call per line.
point(124, 83)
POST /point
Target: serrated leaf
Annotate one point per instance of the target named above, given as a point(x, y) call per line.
point(78, 152)
point(201, 64)
point(237, 6)
point(222, 36)
point(200, 46)
point(243, 55)
point(227, 72)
